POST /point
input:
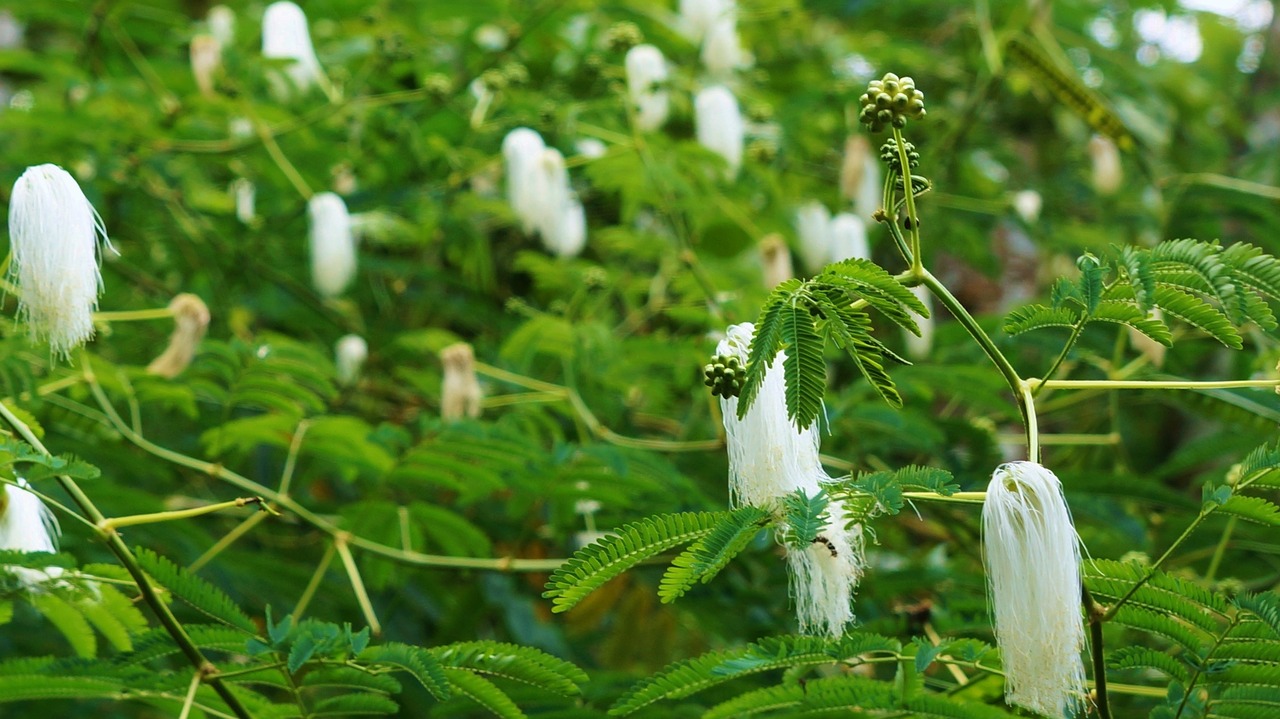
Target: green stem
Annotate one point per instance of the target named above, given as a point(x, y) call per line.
point(130, 563)
point(1150, 384)
point(916, 264)
point(1032, 423)
point(177, 514)
point(958, 497)
point(1151, 571)
point(1062, 356)
point(1097, 615)
point(1220, 550)
point(159, 313)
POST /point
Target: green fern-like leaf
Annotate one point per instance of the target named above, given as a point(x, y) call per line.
point(1144, 658)
point(1252, 509)
point(803, 367)
point(1189, 602)
point(1132, 316)
point(196, 592)
point(354, 704)
point(1134, 266)
point(516, 663)
point(706, 557)
point(20, 687)
point(420, 663)
point(1034, 317)
point(1261, 467)
point(766, 342)
point(804, 517)
point(850, 329)
point(157, 643)
point(690, 676)
point(483, 692)
point(1204, 260)
point(1189, 636)
point(930, 705)
point(350, 678)
point(827, 696)
point(590, 567)
point(1197, 313)
point(68, 620)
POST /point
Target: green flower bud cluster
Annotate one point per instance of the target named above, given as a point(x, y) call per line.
point(891, 101)
point(889, 155)
point(725, 375)
point(622, 36)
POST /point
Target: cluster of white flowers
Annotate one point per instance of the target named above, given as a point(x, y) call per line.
point(714, 24)
point(646, 85)
point(539, 193)
point(825, 239)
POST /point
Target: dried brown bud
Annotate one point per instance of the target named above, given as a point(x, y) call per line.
point(777, 261)
point(460, 393)
point(191, 320)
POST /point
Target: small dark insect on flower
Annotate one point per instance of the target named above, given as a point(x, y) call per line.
point(831, 547)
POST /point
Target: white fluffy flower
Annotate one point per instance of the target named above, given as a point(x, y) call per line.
point(206, 58)
point(222, 24)
point(1107, 171)
point(1032, 557)
point(27, 525)
point(848, 238)
point(722, 51)
point(333, 246)
point(646, 86)
point(720, 125)
point(285, 37)
point(697, 16)
point(919, 347)
point(568, 235)
point(1027, 204)
point(53, 231)
point(350, 352)
point(245, 194)
point(813, 225)
point(522, 150)
point(769, 458)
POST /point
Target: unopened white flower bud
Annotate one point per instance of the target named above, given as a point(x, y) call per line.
point(350, 352)
point(776, 258)
point(825, 575)
point(53, 231)
point(285, 36)
point(919, 347)
point(460, 394)
point(646, 86)
point(206, 59)
point(1032, 558)
point(333, 246)
point(222, 24)
point(190, 322)
point(1027, 204)
point(1107, 171)
point(720, 125)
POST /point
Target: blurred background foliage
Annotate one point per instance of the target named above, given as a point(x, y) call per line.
point(105, 89)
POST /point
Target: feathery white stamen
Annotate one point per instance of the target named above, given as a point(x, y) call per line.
point(1032, 558)
point(333, 247)
point(825, 575)
point(350, 353)
point(1107, 171)
point(720, 125)
point(522, 150)
point(460, 393)
point(285, 36)
point(848, 238)
point(222, 24)
point(919, 347)
point(27, 525)
point(191, 321)
point(813, 226)
point(53, 231)
point(646, 85)
point(206, 58)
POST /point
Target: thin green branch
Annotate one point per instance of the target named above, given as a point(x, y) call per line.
point(114, 523)
point(1151, 384)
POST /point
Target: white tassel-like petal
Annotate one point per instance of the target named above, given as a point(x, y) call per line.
point(285, 36)
point(350, 353)
point(1032, 557)
point(522, 149)
point(333, 246)
point(870, 191)
point(568, 236)
point(53, 231)
point(813, 225)
point(848, 238)
point(919, 347)
point(720, 125)
point(646, 86)
point(245, 195)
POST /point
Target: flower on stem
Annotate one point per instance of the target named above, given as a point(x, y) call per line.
point(191, 321)
point(720, 127)
point(350, 352)
point(813, 225)
point(770, 458)
point(333, 245)
point(27, 525)
point(460, 393)
point(53, 231)
point(285, 36)
point(646, 86)
point(1032, 557)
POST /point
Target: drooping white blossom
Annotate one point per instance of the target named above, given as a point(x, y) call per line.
point(522, 150)
point(919, 347)
point(27, 525)
point(722, 51)
point(349, 354)
point(697, 16)
point(813, 227)
point(206, 59)
point(460, 393)
point(222, 24)
point(333, 246)
point(190, 322)
point(720, 126)
point(53, 231)
point(848, 238)
point(646, 86)
point(285, 36)
point(1107, 171)
point(1032, 557)
point(568, 236)
point(769, 458)
point(484, 96)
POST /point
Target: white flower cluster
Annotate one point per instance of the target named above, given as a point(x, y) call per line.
point(540, 195)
